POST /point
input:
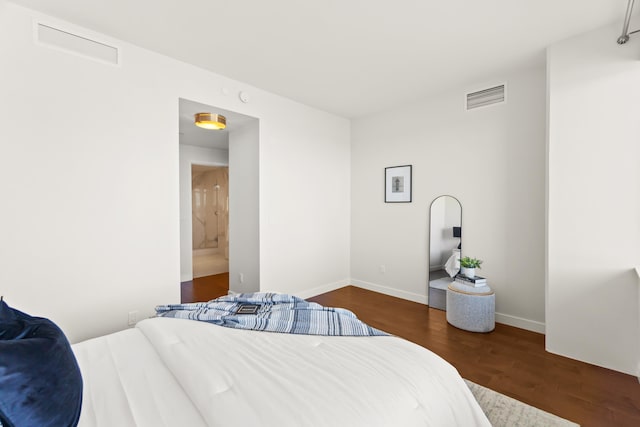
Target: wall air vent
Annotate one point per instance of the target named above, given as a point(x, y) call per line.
point(485, 97)
point(70, 42)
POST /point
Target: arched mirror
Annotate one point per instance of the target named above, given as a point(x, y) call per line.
point(445, 246)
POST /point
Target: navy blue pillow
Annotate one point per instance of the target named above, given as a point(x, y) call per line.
point(40, 382)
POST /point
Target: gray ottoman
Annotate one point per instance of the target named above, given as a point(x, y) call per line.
point(470, 308)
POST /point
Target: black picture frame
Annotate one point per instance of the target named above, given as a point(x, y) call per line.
point(398, 184)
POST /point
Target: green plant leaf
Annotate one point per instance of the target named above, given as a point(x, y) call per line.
point(468, 262)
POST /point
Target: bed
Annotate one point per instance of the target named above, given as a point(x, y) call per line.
point(169, 372)
point(181, 372)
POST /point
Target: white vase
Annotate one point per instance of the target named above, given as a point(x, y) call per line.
point(469, 272)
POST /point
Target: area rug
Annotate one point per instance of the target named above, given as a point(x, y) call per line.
point(504, 411)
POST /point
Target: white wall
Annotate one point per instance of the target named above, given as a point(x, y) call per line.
point(436, 239)
point(90, 215)
point(189, 155)
point(453, 216)
point(594, 199)
point(305, 204)
point(244, 209)
point(638, 279)
point(491, 159)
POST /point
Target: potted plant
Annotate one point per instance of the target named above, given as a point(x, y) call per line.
point(468, 266)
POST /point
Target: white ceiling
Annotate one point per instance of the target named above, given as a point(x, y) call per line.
point(190, 134)
point(349, 57)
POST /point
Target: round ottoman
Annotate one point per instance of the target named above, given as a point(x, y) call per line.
point(471, 308)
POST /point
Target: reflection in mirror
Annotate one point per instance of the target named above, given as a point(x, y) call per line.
point(445, 245)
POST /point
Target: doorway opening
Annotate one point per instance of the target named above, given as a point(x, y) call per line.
point(210, 234)
point(210, 220)
point(204, 206)
point(218, 204)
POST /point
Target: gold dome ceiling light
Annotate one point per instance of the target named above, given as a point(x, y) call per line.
point(210, 121)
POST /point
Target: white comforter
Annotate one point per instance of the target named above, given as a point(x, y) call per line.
point(175, 372)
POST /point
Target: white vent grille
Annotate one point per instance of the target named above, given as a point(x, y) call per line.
point(485, 97)
point(74, 43)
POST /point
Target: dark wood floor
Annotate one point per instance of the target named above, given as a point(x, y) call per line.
point(204, 288)
point(509, 360)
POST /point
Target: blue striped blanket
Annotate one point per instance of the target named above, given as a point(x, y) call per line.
point(275, 313)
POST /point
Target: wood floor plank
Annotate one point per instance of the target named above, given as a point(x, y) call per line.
point(204, 288)
point(509, 360)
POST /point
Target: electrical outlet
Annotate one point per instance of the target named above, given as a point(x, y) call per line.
point(133, 318)
point(383, 269)
point(241, 277)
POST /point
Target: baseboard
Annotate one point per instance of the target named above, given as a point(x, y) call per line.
point(519, 322)
point(422, 299)
point(308, 293)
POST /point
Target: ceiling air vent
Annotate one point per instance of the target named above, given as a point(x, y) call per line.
point(78, 44)
point(485, 97)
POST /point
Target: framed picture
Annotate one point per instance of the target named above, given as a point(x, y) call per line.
point(397, 184)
